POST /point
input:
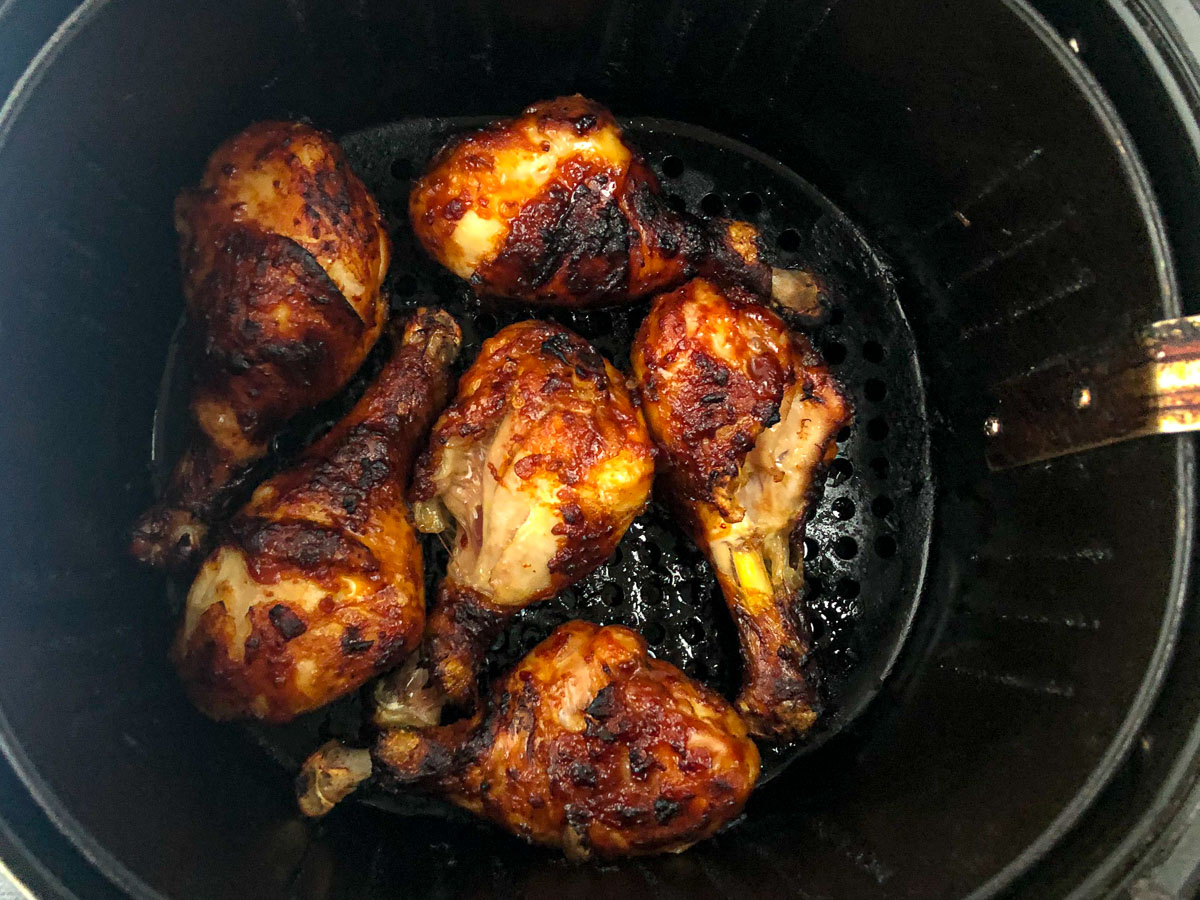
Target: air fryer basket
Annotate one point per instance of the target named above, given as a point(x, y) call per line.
point(865, 548)
point(1015, 224)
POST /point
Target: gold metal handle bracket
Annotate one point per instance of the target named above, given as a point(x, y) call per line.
point(1149, 385)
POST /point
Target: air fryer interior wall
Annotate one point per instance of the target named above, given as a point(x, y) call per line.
point(956, 135)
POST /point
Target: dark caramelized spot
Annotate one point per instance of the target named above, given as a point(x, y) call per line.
point(455, 209)
point(353, 641)
point(640, 762)
point(604, 704)
point(286, 622)
point(666, 809)
point(583, 775)
point(671, 765)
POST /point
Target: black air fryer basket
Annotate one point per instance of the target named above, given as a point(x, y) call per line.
point(1003, 200)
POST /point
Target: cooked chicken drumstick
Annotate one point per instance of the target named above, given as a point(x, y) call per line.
point(320, 584)
point(283, 253)
point(555, 208)
point(745, 414)
point(589, 744)
point(543, 462)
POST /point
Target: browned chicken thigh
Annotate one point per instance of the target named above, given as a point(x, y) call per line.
point(283, 254)
point(319, 584)
point(542, 462)
point(745, 414)
point(555, 208)
point(589, 744)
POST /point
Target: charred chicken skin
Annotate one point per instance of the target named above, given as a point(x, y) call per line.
point(745, 414)
point(319, 584)
point(542, 461)
point(589, 744)
point(555, 208)
point(283, 254)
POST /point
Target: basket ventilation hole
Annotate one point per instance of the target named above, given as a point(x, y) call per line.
point(789, 240)
point(872, 351)
point(885, 546)
point(840, 470)
point(847, 588)
point(672, 166)
point(875, 390)
point(750, 203)
point(611, 595)
point(843, 508)
point(817, 627)
point(834, 352)
point(846, 547)
point(402, 169)
point(712, 205)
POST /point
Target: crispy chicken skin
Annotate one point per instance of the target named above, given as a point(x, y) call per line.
point(745, 414)
point(283, 253)
point(555, 208)
point(542, 461)
point(589, 744)
point(319, 584)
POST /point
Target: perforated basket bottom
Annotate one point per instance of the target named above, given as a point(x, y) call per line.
point(865, 545)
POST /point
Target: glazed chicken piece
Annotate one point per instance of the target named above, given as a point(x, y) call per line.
point(745, 414)
point(283, 254)
point(319, 585)
point(555, 208)
point(589, 744)
point(542, 461)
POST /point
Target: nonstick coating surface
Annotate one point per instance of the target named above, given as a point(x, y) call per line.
point(865, 544)
point(903, 124)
